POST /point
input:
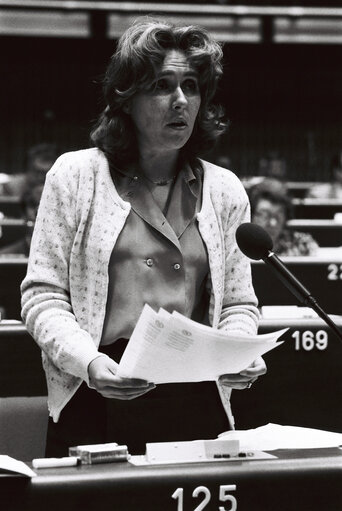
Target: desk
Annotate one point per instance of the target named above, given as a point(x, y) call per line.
point(13, 229)
point(21, 372)
point(307, 480)
point(327, 233)
point(300, 188)
point(316, 208)
point(302, 387)
point(322, 276)
point(12, 273)
point(11, 206)
point(303, 384)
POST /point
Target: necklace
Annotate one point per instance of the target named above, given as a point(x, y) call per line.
point(160, 182)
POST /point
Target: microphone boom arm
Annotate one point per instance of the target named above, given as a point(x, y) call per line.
point(300, 291)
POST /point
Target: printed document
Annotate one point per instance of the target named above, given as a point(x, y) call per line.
point(170, 348)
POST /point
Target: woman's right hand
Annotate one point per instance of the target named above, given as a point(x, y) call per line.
point(102, 377)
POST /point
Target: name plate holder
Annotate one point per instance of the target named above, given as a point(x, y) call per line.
point(194, 451)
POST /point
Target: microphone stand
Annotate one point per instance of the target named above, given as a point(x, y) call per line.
point(297, 288)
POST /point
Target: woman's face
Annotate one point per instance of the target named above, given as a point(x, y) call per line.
point(165, 114)
point(270, 216)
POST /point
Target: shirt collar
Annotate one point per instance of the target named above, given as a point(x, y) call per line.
point(191, 174)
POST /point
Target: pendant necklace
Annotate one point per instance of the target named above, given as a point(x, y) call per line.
point(160, 182)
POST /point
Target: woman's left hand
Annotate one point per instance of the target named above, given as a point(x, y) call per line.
point(247, 377)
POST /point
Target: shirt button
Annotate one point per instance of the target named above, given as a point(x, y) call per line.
point(149, 262)
point(135, 178)
point(176, 266)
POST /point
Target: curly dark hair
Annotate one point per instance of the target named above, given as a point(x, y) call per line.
point(132, 68)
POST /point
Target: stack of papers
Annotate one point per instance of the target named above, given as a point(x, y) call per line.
point(274, 436)
point(9, 464)
point(170, 348)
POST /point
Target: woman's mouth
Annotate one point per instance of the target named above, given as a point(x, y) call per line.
point(177, 125)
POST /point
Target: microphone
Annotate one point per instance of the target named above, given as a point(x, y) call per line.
point(257, 244)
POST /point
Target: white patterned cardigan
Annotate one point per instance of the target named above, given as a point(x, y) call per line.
point(64, 293)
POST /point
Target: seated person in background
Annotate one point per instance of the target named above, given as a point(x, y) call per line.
point(30, 202)
point(273, 166)
point(332, 190)
point(40, 159)
point(272, 170)
point(271, 209)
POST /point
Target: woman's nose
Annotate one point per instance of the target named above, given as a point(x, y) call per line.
point(179, 100)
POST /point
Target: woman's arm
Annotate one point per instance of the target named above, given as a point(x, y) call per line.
point(46, 307)
point(239, 313)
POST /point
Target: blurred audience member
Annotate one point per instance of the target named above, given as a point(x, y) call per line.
point(332, 190)
point(272, 169)
point(271, 209)
point(40, 159)
point(30, 202)
point(273, 166)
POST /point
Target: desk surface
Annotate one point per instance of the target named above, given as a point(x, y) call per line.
point(297, 480)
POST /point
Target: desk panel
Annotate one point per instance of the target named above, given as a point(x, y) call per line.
point(316, 208)
point(11, 206)
point(21, 372)
point(327, 233)
point(12, 230)
point(323, 278)
point(298, 480)
point(12, 273)
point(302, 387)
point(303, 384)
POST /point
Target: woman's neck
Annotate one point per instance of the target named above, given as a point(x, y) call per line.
point(159, 166)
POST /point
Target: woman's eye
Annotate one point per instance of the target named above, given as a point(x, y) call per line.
point(161, 85)
point(190, 85)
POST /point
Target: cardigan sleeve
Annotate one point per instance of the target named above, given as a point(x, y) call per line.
point(239, 312)
point(46, 305)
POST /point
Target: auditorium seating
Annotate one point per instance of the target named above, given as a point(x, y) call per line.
point(23, 426)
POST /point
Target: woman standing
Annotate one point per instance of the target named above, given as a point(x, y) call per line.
point(139, 219)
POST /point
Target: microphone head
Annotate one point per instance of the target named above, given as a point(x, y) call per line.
point(253, 241)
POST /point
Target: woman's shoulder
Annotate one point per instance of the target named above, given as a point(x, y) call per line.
point(77, 166)
point(216, 173)
point(224, 181)
point(81, 159)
